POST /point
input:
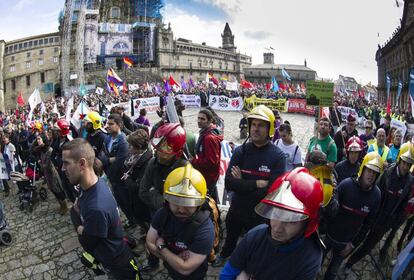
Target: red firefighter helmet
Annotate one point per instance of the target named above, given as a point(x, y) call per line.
point(174, 136)
point(294, 196)
point(354, 144)
point(63, 126)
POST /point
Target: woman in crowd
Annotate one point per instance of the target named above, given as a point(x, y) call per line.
point(133, 171)
point(289, 147)
point(42, 150)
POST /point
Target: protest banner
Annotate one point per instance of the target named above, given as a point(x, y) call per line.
point(151, 104)
point(273, 104)
point(299, 106)
point(319, 93)
point(399, 125)
point(190, 101)
point(224, 103)
point(345, 111)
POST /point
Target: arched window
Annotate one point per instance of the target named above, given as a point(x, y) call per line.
point(115, 12)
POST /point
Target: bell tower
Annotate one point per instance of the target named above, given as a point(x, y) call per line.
point(228, 39)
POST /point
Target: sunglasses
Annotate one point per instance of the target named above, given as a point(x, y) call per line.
point(368, 127)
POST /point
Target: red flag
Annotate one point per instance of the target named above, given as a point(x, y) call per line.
point(389, 105)
point(20, 100)
point(172, 82)
point(268, 86)
point(246, 84)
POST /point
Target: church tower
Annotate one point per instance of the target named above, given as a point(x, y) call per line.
point(228, 39)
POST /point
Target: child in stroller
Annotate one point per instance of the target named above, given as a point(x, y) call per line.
point(29, 188)
point(5, 235)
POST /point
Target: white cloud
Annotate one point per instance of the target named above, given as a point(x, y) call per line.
point(22, 4)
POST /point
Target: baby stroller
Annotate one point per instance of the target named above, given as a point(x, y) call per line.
point(30, 186)
point(5, 235)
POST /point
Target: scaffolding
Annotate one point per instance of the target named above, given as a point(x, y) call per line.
point(66, 42)
point(80, 44)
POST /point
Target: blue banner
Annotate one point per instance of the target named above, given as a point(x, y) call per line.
point(275, 86)
point(399, 90)
point(411, 85)
point(388, 83)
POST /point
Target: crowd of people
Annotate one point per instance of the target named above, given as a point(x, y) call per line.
point(164, 180)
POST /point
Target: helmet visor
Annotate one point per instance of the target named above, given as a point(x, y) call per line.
point(275, 213)
point(282, 205)
point(161, 145)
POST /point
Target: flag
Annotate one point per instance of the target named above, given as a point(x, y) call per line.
point(128, 62)
point(285, 74)
point(111, 76)
point(103, 110)
point(172, 81)
point(388, 84)
point(42, 108)
point(268, 86)
point(246, 84)
point(211, 78)
point(191, 82)
point(275, 86)
point(157, 89)
point(83, 90)
point(111, 87)
point(55, 110)
point(34, 99)
point(20, 99)
point(399, 90)
point(69, 106)
point(99, 90)
point(411, 90)
point(167, 86)
point(183, 83)
point(79, 114)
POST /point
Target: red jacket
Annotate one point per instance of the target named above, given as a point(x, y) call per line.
point(208, 154)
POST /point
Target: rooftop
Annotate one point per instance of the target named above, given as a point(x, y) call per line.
point(268, 66)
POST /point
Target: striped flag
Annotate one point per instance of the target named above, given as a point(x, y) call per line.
point(128, 62)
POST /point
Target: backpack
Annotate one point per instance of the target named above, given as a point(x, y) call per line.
point(208, 210)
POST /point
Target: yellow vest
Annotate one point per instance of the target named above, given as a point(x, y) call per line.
point(385, 151)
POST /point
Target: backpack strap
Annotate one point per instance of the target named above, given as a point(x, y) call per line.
point(196, 221)
point(294, 154)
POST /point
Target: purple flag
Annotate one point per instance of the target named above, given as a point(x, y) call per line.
point(183, 83)
point(157, 88)
point(167, 86)
point(191, 82)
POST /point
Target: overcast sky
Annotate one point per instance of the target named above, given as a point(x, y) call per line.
point(335, 36)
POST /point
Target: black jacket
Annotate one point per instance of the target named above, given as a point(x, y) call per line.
point(134, 172)
point(152, 184)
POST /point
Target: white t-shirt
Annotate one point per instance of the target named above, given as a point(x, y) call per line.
point(292, 152)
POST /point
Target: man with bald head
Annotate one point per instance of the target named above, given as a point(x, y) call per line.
point(95, 214)
point(380, 147)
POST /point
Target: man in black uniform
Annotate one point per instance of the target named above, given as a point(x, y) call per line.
point(63, 135)
point(95, 214)
point(395, 185)
point(96, 136)
point(357, 200)
point(168, 142)
point(253, 168)
point(181, 232)
point(349, 166)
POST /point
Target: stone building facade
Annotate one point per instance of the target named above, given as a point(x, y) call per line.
point(263, 73)
point(183, 58)
point(30, 63)
point(396, 58)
